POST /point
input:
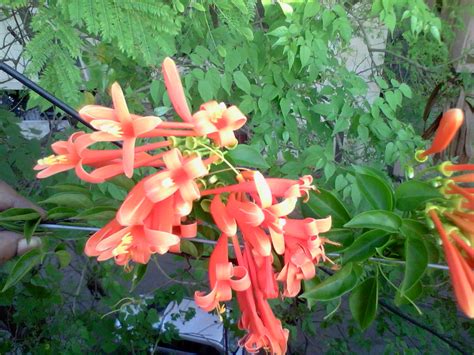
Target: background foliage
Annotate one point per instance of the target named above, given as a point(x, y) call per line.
point(284, 65)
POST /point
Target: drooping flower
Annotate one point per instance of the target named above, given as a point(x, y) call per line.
point(215, 120)
point(264, 330)
point(133, 242)
point(73, 154)
point(462, 274)
point(304, 249)
point(118, 124)
point(449, 125)
point(223, 278)
point(68, 155)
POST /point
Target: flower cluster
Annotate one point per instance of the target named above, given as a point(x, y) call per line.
point(453, 217)
point(252, 214)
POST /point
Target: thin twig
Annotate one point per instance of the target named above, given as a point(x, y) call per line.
point(165, 274)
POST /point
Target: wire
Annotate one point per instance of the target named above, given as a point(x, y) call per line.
point(212, 242)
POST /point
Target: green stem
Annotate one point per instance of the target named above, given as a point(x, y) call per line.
point(220, 155)
point(396, 288)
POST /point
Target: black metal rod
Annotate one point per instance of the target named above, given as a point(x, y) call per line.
point(44, 94)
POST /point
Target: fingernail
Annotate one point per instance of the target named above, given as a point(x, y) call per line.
point(24, 246)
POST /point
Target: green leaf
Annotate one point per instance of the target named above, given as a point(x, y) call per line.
point(60, 213)
point(198, 6)
point(23, 265)
point(328, 17)
point(405, 89)
point(376, 219)
point(365, 246)
point(411, 227)
point(155, 92)
point(70, 199)
point(390, 20)
point(286, 8)
point(375, 191)
point(414, 194)
point(311, 9)
point(416, 259)
point(336, 285)
point(222, 51)
point(242, 82)
point(381, 82)
point(248, 33)
point(205, 90)
point(64, 258)
point(30, 227)
point(248, 156)
point(435, 33)
point(97, 213)
point(139, 272)
point(19, 214)
point(363, 302)
point(188, 247)
point(70, 188)
point(323, 204)
point(279, 31)
point(305, 54)
point(391, 99)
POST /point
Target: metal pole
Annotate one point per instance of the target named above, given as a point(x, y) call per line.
point(43, 93)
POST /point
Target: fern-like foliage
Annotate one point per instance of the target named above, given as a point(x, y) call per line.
point(142, 29)
point(238, 15)
point(64, 30)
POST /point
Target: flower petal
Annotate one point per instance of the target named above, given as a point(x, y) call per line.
point(160, 241)
point(175, 89)
point(224, 221)
point(120, 105)
point(145, 124)
point(95, 112)
point(135, 208)
point(128, 156)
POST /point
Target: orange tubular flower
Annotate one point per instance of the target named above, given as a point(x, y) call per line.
point(459, 167)
point(462, 275)
point(463, 178)
point(68, 155)
point(179, 176)
point(219, 122)
point(118, 125)
point(175, 89)
point(223, 278)
point(133, 243)
point(278, 187)
point(304, 249)
point(449, 125)
point(254, 212)
point(73, 154)
point(264, 329)
point(215, 120)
